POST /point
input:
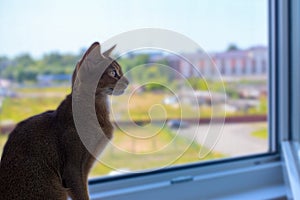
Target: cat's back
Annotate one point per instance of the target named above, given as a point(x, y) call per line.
point(30, 162)
point(31, 137)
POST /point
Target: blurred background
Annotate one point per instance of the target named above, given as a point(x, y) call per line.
point(41, 42)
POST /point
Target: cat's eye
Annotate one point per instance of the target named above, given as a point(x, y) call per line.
point(113, 73)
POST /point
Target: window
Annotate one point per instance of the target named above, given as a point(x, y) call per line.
point(167, 119)
point(222, 66)
point(254, 66)
point(202, 66)
point(233, 66)
point(182, 128)
point(243, 66)
point(264, 67)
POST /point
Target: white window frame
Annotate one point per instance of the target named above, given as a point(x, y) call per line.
point(263, 176)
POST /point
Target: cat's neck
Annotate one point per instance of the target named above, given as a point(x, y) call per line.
point(102, 110)
point(65, 114)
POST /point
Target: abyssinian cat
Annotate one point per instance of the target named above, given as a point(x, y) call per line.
point(44, 157)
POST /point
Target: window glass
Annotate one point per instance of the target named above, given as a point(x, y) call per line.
point(198, 73)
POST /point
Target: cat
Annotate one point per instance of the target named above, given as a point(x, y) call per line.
point(44, 157)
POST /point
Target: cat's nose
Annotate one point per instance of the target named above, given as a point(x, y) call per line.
point(126, 81)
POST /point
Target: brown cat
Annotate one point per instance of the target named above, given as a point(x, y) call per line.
point(44, 157)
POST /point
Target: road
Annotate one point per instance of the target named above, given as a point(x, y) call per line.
point(235, 139)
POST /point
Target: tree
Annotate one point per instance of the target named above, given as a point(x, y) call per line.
point(24, 60)
point(4, 62)
point(232, 47)
point(52, 59)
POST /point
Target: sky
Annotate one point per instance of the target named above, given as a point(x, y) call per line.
point(38, 27)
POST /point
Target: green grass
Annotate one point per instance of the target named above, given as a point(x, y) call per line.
point(148, 106)
point(17, 109)
point(261, 133)
point(63, 90)
point(32, 101)
point(159, 151)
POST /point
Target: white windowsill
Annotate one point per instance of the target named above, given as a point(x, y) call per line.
point(239, 180)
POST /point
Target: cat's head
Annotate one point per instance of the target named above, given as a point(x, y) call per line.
point(112, 81)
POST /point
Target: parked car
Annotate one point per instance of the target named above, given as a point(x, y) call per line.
point(174, 123)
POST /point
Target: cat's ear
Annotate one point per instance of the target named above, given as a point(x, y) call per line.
point(93, 53)
point(108, 52)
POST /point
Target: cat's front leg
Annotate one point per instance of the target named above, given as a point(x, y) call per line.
point(76, 185)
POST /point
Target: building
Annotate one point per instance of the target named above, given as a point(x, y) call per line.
point(248, 63)
point(242, 63)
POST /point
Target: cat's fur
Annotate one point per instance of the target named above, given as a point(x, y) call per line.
point(44, 157)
